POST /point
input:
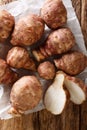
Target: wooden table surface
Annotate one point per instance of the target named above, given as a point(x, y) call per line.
point(73, 118)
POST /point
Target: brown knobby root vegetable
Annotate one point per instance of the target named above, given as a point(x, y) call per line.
point(7, 76)
point(6, 24)
point(76, 87)
point(58, 42)
point(25, 95)
point(2, 2)
point(46, 70)
point(28, 30)
point(18, 57)
point(54, 13)
point(55, 98)
point(72, 63)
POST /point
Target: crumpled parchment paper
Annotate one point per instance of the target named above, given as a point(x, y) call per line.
point(23, 7)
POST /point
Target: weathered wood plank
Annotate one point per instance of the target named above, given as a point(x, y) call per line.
point(84, 29)
point(84, 116)
point(68, 120)
point(77, 7)
point(84, 19)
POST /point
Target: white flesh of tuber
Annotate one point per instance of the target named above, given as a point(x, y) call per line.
point(55, 96)
point(77, 94)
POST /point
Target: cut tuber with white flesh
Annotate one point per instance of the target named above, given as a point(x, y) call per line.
point(56, 97)
point(76, 88)
point(64, 88)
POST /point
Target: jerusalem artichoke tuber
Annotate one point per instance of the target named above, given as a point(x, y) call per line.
point(18, 57)
point(25, 94)
point(55, 97)
point(54, 13)
point(28, 30)
point(76, 87)
point(72, 63)
point(58, 42)
point(46, 70)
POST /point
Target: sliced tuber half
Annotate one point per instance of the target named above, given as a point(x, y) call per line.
point(56, 97)
point(76, 88)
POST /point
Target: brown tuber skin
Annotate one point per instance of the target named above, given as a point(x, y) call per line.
point(6, 24)
point(28, 30)
point(7, 76)
point(46, 70)
point(18, 57)
point(25, 94)
point(58, 42)
point(72, 63)
point(54, 13)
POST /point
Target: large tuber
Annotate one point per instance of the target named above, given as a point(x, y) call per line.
point(72, 63)
point(54, 13)
point(25, 95)
point(28, 30)
point(18, 57)
point(58, 42)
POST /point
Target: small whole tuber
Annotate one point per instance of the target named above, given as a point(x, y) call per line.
point(46, 70)
point(58, 42)
point(54, 13)
point(72, 63)
point(18, 57)
point(25, 95)
point(28, 30)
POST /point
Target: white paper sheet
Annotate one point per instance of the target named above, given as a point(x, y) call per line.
point(22, 7)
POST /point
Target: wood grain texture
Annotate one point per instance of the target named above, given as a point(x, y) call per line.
point(84, 19)
point(73, 117)
point(68, 120)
